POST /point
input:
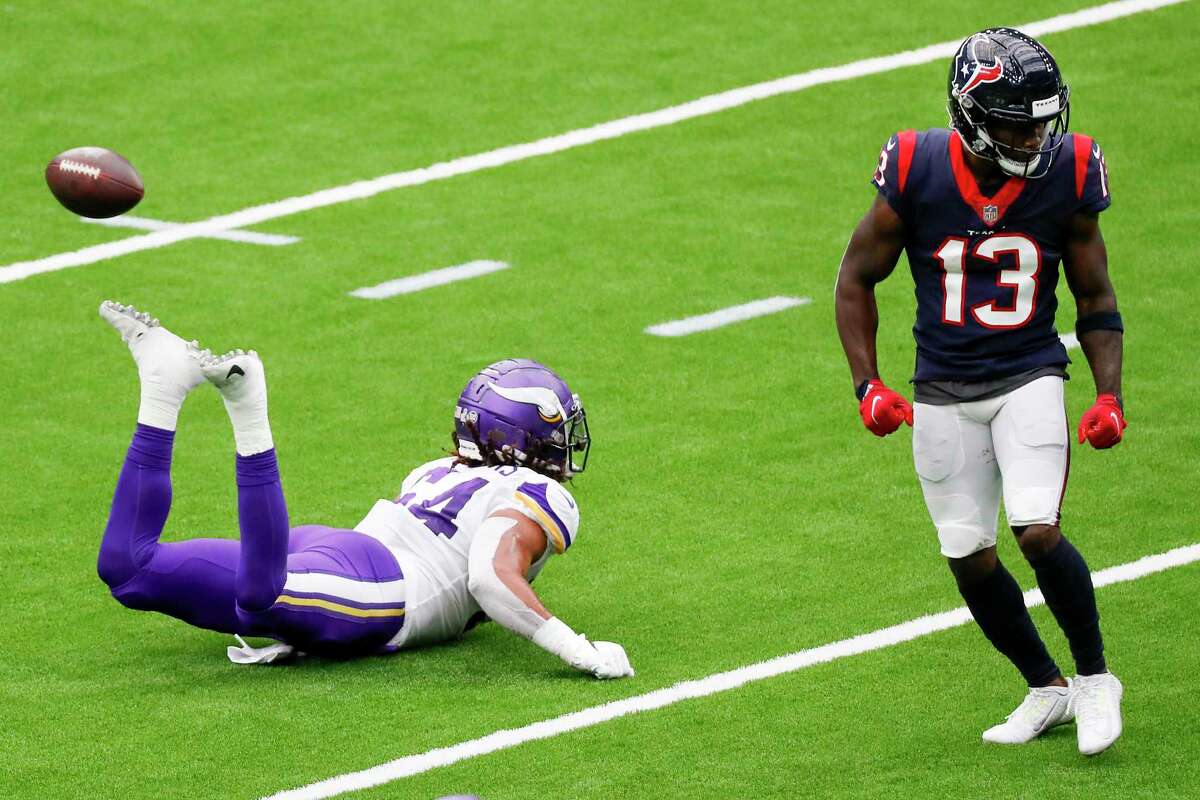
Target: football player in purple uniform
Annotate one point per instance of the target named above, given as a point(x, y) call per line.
point(464, 539)
point(986, 211)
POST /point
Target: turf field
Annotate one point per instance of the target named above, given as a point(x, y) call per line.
point(734, 509)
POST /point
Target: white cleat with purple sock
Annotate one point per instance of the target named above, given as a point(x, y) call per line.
point(242, 382)
point(167, 365)
point(1042, 709)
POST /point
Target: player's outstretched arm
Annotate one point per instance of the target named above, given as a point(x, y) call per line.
point(870, 257)
point(505, 547)
point(1098, 328)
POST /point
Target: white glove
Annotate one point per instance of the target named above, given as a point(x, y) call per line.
point(613, 661)
point(602, 659)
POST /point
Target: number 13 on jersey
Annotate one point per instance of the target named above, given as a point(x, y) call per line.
point(1022, 280)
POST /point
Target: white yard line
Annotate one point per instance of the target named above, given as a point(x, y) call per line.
point(720, 682)
point(710, 104)
point(145, 224)
point(1069, 341)
point(726, 316)
point(437, 277)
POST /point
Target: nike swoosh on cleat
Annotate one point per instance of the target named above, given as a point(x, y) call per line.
point(234, 370)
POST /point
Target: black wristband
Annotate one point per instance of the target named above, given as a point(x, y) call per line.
point(860, 391)
point(1099, 321)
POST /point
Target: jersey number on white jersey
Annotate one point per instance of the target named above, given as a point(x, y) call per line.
point(439, 512)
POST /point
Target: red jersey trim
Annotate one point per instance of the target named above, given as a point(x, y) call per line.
point(969, 189)
point(1083, 154)
point(908, 144)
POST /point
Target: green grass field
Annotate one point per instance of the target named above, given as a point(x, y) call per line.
point(734, 508)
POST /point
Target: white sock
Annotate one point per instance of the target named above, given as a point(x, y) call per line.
point(251, 427)
point(167, 374)
point(159, 408)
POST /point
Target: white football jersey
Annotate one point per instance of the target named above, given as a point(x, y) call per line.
point(430, 527)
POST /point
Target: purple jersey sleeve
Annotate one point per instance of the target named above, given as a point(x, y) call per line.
point(891, 172)
point(1091, 175)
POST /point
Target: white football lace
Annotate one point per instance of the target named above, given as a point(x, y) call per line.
point(66, 165)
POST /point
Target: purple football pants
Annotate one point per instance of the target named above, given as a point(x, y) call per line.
point(323, 590)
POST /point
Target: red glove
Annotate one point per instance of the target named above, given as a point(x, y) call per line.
point(1103, 423)
point(883, 410)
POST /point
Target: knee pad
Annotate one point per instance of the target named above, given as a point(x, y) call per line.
point(960, 526)
point(1032, 506)
point(960, 541)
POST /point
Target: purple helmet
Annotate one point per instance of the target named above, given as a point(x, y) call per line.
point(519, 412)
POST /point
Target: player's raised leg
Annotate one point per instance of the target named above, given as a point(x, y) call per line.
point(262, 511)
point(193, 580)
point(324, 590)
point(1033, 449)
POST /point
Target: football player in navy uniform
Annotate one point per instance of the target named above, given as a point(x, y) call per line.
point(465, 538)
point(986, 211)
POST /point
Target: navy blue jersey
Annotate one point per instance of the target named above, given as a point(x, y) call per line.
point(985, 269)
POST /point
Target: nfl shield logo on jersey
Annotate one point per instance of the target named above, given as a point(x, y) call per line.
point(991, 213)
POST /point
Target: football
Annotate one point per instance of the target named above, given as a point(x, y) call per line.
point(94, 182)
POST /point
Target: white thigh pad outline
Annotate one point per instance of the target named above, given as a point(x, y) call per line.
point(953, 457)
point(1033, 451)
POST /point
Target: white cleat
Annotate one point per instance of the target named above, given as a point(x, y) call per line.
point(1097, 707)
point(242, 382)
point(238, 376)
point(1042, 709)
point(129, 322)
point(240, 379)
point(167, 365)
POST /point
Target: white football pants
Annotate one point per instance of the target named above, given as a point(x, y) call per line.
point(967, 453)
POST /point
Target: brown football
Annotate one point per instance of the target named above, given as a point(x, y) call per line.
point(94, 182)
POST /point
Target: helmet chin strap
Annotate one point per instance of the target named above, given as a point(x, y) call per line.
point(1011, 166)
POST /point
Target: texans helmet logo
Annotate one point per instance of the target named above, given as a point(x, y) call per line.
point(983, 73)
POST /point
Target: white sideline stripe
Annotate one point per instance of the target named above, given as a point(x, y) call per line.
point(437, 277)
point(145, 224)
point(710, 104)
point(1069, 341)
point(720, 682)
point(726, 316)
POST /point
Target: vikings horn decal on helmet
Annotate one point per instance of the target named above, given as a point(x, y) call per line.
point(520, 412)
point(1001, 76)
point(548, 406)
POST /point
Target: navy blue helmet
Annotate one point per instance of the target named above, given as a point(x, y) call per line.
point(1000, 76)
